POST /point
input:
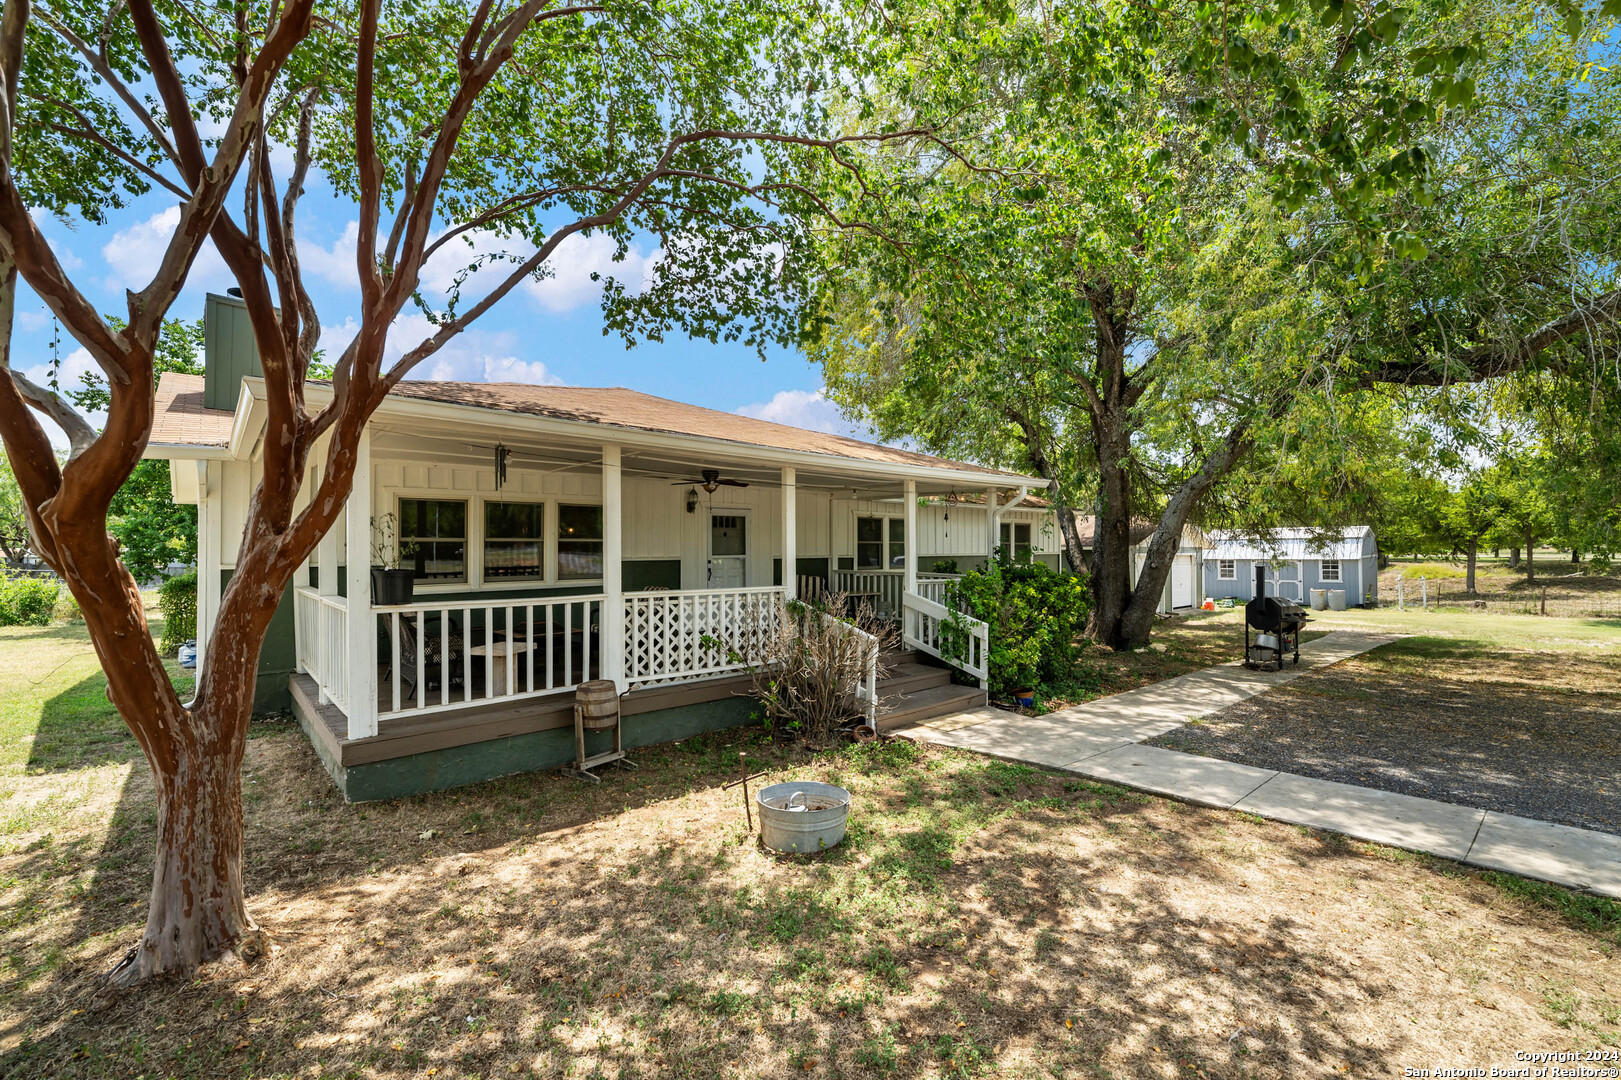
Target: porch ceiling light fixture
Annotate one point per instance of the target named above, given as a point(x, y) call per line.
point(692, 500)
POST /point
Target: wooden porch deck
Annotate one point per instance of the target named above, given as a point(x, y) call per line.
point(403, 736)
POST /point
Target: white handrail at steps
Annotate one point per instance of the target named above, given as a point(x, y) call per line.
point(922, 623)
point(866, 688)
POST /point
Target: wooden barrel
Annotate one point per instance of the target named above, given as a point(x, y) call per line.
point(598, 702)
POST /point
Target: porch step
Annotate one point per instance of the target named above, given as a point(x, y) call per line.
point(910, 677)
point(903, 710)
point(902, 656)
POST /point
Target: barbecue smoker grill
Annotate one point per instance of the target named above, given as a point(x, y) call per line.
point(1276, 622)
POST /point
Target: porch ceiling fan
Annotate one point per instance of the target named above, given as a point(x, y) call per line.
point(711, 480)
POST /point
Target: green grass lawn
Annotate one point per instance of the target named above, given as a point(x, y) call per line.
point(982, 919)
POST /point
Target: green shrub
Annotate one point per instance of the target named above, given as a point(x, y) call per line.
point(177, 601)
point(27, 601)
point(944, 566)
point(1035, 614)
point(67, 609)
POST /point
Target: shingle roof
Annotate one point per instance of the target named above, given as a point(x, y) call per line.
point(615, 406)
point(1290, 544)
point(1141, 529)
point(181, 418)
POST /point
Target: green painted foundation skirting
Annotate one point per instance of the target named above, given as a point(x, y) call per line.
point(459, 766)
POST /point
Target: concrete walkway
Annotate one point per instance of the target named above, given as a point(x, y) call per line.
point(1100, 740)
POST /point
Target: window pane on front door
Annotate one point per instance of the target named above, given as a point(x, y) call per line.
point(726, 535)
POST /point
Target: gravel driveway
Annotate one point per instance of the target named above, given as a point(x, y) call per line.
point(1533, 734)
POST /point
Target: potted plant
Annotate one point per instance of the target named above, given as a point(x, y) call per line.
point(391, 583)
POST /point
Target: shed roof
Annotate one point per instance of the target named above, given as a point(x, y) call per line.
point(1290, 544)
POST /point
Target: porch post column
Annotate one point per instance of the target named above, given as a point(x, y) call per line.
point(208, 549)
point(613, 581)
point(991, 536)
point(790, 534)
point(326, 584)
point(361, 654)
point(911, 536)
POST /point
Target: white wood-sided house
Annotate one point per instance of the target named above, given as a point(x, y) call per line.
point(564, 533)
point(1297, 561)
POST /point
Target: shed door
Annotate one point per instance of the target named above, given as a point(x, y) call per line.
point(1182, 582)
point(1289, 581)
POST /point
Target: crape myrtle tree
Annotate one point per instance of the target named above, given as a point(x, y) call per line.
point(480, 132)
point(1194, 233)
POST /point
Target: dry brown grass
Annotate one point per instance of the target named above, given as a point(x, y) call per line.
point(982, 919)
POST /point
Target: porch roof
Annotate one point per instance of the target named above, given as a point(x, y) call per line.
point(579, 413)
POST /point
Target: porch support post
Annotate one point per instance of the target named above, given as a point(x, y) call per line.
point(992, 535)
point(326, 584)
point(361, 654)
point(911, 536)
point(790, 534)
point(210, 479)
point(613, 581)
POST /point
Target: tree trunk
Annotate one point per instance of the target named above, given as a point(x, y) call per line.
point(1530, 559)
point(1576, 556)
point(1513, 558)
point(1469, 572)
point(1111, 534)
point(198, 912)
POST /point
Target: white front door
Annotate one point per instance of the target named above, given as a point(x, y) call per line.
point(1182, 582)
point(728, 551)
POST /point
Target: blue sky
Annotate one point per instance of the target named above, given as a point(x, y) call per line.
point(543, 332)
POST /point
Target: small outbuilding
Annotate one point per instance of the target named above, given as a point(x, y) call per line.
point(1183, 591)
point(1297, 561)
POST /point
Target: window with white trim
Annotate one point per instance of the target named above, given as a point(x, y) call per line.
point(514, 548)
point(579, 542)
point(880, 543)
point(433, 539)
point(1331, 570)
point(1227, 569)
point(1016, 540)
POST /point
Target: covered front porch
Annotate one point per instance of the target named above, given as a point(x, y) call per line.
point(548, 557)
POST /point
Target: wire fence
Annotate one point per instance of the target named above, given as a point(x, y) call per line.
point(1452, 594)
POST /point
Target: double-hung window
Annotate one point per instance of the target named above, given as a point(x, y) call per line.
point(1227, 569)
point(1016, 540)
point(1331, 570)
point(433, 539)
point(514, 541)
point(880, 543)
point(579, 542)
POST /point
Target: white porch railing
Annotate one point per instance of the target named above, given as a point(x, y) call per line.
point(698, 633)
point(933, 586)
point(454, 654)
point(323, 645)
point(886, 586)
point(960, 640)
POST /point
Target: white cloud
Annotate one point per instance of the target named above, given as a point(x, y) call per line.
point(134, 253)
point(806, 409)
point(567, 284)
point(511, 369)
point(577, 258)
point(335, 265)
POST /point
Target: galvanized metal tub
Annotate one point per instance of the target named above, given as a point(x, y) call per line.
point(802, 815)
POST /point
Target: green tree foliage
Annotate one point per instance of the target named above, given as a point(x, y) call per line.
point(1035, 615)
point(177, 602)
point(1170, 261)
point(13, 517)
point(27, 601)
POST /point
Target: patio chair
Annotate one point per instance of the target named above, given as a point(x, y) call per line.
point(431, 660)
